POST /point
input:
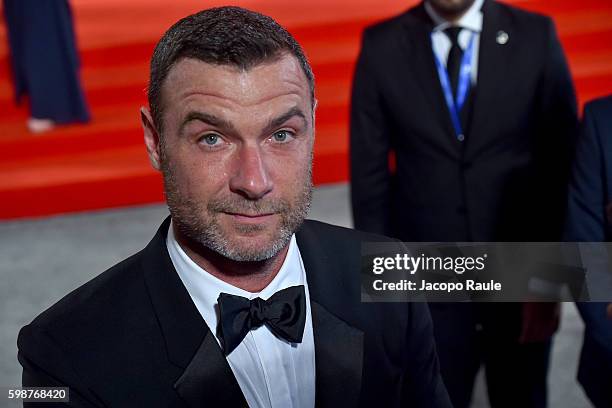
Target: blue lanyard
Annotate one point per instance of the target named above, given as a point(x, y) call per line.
point(465, 73)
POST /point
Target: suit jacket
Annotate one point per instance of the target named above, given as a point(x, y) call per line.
point(590, 192)
point(590, 198)
point(132, 337)
point(507, 180)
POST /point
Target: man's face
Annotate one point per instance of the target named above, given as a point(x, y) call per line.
point(236, 154)
point(451, 7)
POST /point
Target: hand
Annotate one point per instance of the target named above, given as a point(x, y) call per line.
point(540, 321)
point(610, 311)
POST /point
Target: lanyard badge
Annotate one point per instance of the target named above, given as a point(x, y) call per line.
point(463, 86)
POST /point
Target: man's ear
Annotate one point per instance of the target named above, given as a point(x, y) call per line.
point(314, 115)
point(151, 138)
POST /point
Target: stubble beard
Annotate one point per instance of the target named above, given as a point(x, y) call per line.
point(200, 223)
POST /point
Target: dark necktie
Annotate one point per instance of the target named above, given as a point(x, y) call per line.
point(453, 63)
point(284, 313)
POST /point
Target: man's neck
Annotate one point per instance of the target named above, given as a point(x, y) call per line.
point(452, 16)
point(250, 276)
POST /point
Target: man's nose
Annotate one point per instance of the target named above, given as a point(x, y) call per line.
point(251, 178)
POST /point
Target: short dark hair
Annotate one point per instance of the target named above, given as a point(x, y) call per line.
point(222, 36)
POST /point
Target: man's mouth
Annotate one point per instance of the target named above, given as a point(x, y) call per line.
point(250, 218)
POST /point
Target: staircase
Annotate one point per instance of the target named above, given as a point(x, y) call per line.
point(104, 164)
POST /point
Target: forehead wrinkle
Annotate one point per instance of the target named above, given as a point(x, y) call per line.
point(241, 82)
point(194, 85)
point(235, 101)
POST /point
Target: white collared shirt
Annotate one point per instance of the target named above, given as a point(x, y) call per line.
point(471, 22)
point(271, 372)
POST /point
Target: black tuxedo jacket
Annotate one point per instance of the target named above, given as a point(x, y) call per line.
point(132, 337)
point(507, 180)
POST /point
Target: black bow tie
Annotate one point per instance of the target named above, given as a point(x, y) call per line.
point(284, 313)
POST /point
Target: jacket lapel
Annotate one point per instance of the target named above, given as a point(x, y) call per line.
point(339, 347)
point(203, 374)
point(418, 27)
point(208, 379)
point(338, 359)
point(493, 61)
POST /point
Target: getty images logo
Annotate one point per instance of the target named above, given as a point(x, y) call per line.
point(413, 264)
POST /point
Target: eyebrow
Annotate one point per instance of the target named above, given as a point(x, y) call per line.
point(206, 118)
point(228, 126)
point(295, 111)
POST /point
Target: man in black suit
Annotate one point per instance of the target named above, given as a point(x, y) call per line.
point(589, 219)
point(462, 119)
point(236, 300)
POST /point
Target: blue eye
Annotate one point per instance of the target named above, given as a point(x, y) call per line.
point(282, 136)
point(210, 139)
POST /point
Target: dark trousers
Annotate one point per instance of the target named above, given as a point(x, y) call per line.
point(469, 335)
point(44, 59)
point(595, 368)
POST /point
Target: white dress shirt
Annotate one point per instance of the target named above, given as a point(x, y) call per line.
point(271, 372)
point(471, 22)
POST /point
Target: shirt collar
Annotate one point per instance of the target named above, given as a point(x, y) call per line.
point(205, 288)
point(472, 19)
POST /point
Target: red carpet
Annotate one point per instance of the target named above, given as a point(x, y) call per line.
point(104, 164)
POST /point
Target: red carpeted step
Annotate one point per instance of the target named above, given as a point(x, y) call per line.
point(104, 164)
